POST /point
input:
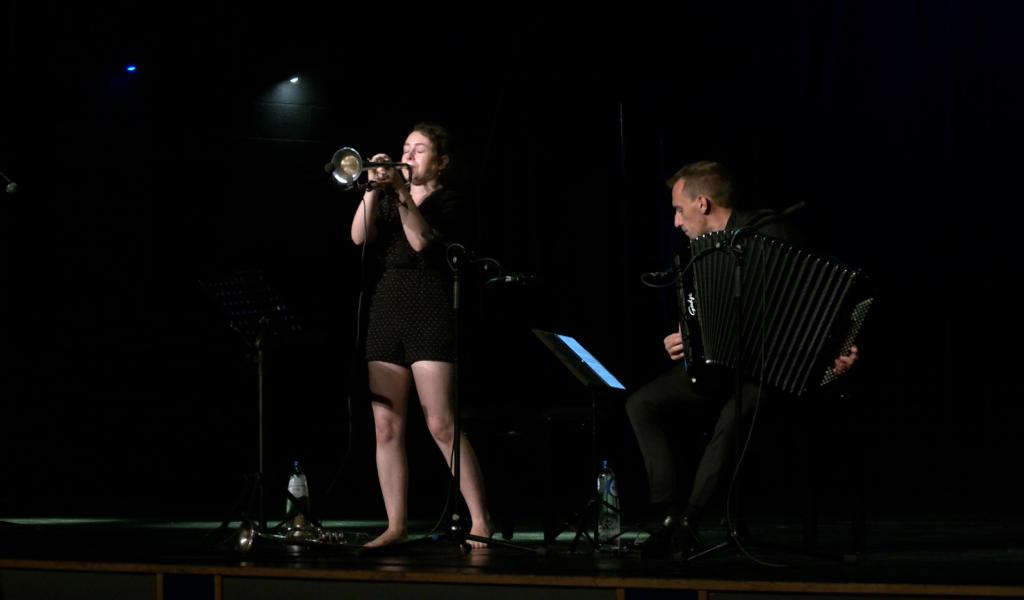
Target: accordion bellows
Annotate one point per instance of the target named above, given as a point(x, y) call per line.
point(799, 310)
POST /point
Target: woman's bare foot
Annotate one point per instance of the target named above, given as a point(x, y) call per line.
point(390, 536)
point(482, 529)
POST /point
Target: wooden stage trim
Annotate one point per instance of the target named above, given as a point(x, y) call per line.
point(472, 576)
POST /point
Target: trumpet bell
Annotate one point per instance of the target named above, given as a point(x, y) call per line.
point(246, 537)
point(347, 166)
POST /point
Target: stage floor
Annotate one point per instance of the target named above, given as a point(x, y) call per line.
point(926, 555)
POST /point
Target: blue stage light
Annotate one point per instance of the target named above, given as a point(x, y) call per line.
point(130, 68)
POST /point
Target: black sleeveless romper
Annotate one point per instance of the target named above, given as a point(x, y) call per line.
point(411, 314)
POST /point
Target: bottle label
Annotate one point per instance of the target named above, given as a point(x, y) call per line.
point(297, 486)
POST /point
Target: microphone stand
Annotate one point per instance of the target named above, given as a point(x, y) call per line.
point(735, 248)
point(732, 502)
point(457, 254)
point(12, 188)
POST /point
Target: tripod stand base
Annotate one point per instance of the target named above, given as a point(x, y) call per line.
point(455, 538)
point(591, 512)
point(742, 543)
point(726, 543)
point(249, 505)
point(490, 541)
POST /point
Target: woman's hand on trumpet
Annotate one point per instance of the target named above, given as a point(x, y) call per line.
point(379, 176)
point(385, 177)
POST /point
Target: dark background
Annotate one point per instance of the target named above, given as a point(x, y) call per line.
point(125, 392)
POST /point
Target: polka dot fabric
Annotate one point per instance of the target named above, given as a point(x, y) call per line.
point(411, 314)
point(411, 318)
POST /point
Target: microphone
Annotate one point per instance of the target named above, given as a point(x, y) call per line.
point(514, 279)
point(659, 274)
point(12, 187)
point(792, 209)
point(662, 279)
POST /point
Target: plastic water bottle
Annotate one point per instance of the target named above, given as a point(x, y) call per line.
point(608, 524)
point(298, 487)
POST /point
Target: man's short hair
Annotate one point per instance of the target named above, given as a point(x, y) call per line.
point(707, 178)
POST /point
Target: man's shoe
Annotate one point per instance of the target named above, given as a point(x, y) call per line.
point(677, 535)
point(660, 542)
point(687, 540)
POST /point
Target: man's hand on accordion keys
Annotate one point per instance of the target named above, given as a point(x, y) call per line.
point(845, 362)
point(674, 346)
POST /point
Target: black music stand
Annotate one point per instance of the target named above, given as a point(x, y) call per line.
point(597, 379)
point(257, 312)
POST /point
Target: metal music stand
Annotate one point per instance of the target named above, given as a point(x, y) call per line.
point(257, 312)
point(597, 379)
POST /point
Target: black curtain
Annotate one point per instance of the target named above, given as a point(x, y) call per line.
point(896, 122)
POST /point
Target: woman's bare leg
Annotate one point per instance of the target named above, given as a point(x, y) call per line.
point(434, 384)
point(389, 390)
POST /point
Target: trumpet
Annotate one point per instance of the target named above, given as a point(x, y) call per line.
point(347, 166)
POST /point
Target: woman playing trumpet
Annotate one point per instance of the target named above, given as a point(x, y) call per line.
point(410, 339)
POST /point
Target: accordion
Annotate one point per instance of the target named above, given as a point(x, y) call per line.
point(799, 311)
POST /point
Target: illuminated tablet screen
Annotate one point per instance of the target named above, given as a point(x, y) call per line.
point(591, 362)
